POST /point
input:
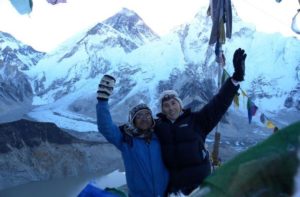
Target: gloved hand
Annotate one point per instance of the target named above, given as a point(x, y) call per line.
point(239, 64)
point(106, 87)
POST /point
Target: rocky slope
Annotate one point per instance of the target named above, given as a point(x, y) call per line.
point(32, 151)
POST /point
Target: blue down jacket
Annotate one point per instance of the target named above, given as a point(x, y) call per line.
point(146, 174)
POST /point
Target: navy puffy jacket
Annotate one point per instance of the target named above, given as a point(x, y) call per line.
point(183, 140)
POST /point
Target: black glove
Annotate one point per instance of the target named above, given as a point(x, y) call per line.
point(239, 64)
point(106, 87)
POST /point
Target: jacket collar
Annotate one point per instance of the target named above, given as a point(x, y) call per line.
point(185, 113)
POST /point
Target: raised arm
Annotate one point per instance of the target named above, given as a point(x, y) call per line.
point(105, 124)
point(209, 116)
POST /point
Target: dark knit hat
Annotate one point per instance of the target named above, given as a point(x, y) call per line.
point(135, 110)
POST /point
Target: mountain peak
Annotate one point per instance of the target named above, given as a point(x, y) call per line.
point(123, 17)
point(131, 24)
point(6, 35)
point(128, 12)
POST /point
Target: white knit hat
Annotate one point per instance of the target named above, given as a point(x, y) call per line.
point(169, 94)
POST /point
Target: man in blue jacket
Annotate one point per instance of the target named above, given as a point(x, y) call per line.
point(146, 174)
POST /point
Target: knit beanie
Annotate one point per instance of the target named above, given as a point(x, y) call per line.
point(133, 112)
point(167, 95)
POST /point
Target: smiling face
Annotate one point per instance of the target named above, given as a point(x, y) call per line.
point(171, 108)
point(143, 120)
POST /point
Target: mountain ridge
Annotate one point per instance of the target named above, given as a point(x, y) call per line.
point(65, 81)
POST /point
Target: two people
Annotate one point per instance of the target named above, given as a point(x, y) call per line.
point(174, 141)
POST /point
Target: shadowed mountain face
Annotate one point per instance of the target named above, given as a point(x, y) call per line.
point(23, 133)
point(33, 151)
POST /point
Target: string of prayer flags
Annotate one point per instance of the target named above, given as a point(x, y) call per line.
point(267, 122)
point(251, 107)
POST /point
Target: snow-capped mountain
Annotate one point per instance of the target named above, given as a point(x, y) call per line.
point(65, 82)
point(271, 72)
point(95, 52)
point(14, 53)
point(130, 23)
point(15, 57)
